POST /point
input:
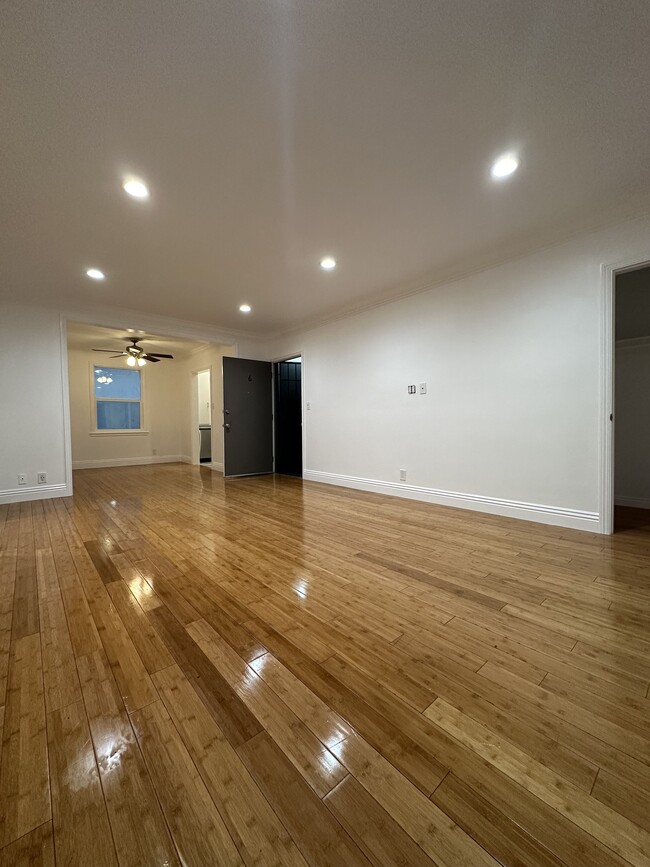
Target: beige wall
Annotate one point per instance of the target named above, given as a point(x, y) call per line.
point(163, 408)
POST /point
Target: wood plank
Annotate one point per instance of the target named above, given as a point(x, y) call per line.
point(319, 836)
point(312, 759)
point(24, 774)
point(615, 831)
point(150, 647)
point(258, 833)
point(228, 710)
point(502, 837)
point(197, 829)
point(138, 827)
point(102, 562)
point(34, 849)
point(376, 833)
point(131, 675)
point(81, 829)
point(623, 797)
point(426, 824)
point(328, 726)
point(415, 763)
point(59, 670)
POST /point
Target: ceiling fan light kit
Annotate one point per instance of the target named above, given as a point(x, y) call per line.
point(136, 355)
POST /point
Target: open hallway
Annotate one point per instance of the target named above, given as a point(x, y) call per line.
point(270, 672)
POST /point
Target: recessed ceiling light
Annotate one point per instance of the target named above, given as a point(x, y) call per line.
point(245, 308)
point(327, 263)
point(95, 274)
point(136, 188)
point(504, 166)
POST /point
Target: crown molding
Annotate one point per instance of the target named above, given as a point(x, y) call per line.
point(452, 274)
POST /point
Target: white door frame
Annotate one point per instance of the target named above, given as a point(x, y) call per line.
point(607, 396)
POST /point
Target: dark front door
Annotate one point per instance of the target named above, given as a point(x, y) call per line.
point(288, 418)
point(247, 417)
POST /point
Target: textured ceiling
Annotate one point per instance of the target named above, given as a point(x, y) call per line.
point(272, 132)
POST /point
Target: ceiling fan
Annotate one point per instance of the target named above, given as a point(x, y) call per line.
point(136, 354)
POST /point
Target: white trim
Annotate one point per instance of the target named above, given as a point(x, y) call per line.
point(36, 492)
point(130, 462)
point(65, 392)
point(119, 433)
point(633, 502)
point(556, 515)
point(215, 465)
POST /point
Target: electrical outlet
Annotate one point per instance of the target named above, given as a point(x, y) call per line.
point(22, 479)
point(411, 389)
point(422, 388)
point(41, 478)
point(402, 475)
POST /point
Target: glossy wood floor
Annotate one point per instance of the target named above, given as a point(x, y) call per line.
point(266, 672)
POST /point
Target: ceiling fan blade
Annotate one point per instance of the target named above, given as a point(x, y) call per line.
point(105, 350)
point(150, 358)
point(118, 356)
point(159, 355)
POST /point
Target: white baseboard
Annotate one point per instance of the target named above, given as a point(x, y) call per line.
point(556, 515)
point(215, 465)
point(36, 492)
point(130, 462)
point(633, 502)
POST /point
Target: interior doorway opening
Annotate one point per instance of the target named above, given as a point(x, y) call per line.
point(632, 407)
point(202, 416)
point(287, 414)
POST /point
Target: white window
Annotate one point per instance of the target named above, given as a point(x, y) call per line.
point(117, 399)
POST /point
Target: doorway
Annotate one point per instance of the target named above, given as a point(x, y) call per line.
point(287, 376)
point(202, 417)
point(632, 407)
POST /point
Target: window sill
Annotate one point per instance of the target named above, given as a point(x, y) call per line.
point(119, 433)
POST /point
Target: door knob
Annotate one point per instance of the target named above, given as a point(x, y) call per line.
point(226, 426)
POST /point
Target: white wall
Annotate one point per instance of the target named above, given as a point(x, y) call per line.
point(32, 403)
point(163, 408)
point(632, 441)
point(512, 359)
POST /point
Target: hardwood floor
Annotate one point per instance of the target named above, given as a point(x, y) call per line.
point(266, 672)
